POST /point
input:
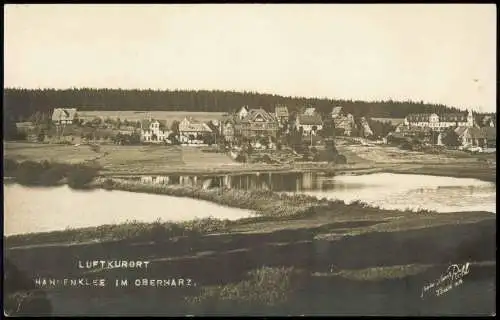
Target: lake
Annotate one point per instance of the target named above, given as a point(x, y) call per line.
point(30, 209)
point(386, 190)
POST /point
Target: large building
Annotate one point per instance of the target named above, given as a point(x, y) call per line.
point(257, 122)
point(154, 131)
point(485, 137)
point(191, 129)
point(309, 122)
point(440, 122)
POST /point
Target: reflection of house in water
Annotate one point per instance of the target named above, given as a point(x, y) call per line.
point(155, 179)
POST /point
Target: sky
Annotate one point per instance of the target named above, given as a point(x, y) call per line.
point(438, 53)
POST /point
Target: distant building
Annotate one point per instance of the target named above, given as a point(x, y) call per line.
point(367, 131)
point(243, 112)
point(309, 123)
point(487, 121)
point(310, 111)
point(337, 112)
point(154, 131)
point(281, 113)
point(440, 122)
point(227, 127)
point(191, 129)
point(257, 122)
point(485, 137)
point(63, 115)
point(25, 127)
point(343, 122)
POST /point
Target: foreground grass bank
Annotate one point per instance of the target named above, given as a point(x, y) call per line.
point(358, 264)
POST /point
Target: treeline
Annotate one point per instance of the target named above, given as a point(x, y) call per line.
point(45, 173)
point(21, 103)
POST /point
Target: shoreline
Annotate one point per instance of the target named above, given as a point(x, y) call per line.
point(486, 174)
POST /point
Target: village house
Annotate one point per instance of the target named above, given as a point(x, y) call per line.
point(154, 131)
point(367, 131)
point(343, 122)
point(63, 115)
point(191, 130)
point(243, 112)
point(487, 121)
point(310, 111)
point(257, 122)
point(440, 122)
point(25, 127)
point(309, 124)
point(281, 113)
point(227, 129)
point(484, 137)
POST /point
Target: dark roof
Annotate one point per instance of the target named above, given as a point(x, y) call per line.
point(305, 119)
point(453, 117)
point(481, 133)
point(418, 117)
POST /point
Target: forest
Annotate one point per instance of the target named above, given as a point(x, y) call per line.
point(19, 104)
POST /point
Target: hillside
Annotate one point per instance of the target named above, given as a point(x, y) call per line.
point(21, 103)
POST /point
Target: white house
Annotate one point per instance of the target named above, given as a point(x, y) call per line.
point(192, 130)
point(154, 131)
point(63, 115)
point(243, 112)
point(309, 123)
point(440, 122)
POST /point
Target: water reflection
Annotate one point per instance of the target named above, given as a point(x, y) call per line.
point(279, 182)
point(390, 191)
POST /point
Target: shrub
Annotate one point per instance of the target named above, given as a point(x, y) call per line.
point(340, 159)
point(80, 176)
point(265, 288)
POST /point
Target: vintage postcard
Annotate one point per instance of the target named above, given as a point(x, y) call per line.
point(249, 159)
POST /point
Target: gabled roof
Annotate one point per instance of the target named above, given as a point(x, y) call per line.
point(313, 120)
point(336, 111)
point(146, 123)
point(255, 114)
point(192, 125)
point(489, 133)
point(243, 108)
point(310, 111)
point(64, 114)
point(281, 111)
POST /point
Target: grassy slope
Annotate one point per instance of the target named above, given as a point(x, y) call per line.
point(157, 160)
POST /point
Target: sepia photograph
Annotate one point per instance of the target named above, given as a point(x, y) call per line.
point(249, 160)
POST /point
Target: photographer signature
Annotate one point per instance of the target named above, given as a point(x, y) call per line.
point(453, 277)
